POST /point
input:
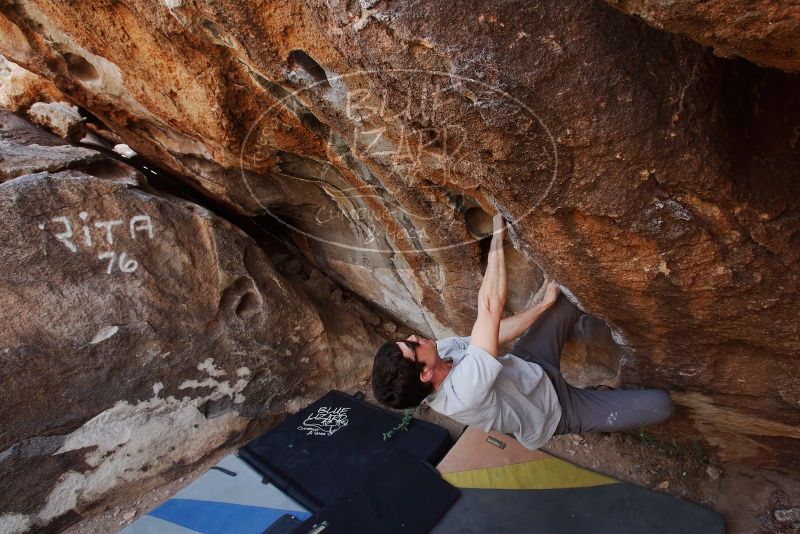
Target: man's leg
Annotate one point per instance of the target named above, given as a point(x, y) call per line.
point(542, 342)
point(586, 410)
point(609, 411)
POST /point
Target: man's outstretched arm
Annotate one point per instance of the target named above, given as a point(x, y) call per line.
point(514, 326)
point(492, 294)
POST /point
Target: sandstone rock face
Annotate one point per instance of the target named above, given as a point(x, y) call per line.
point(20, 132)
point(21, 88)
point(28, 149)
point(17, 160)
point(655, 181)
point(140, 333)
point(764, 32)
point(25, 149)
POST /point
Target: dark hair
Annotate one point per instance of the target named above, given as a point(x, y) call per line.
point(395, 380)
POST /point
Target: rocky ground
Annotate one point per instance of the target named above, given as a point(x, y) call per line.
point(751, 500)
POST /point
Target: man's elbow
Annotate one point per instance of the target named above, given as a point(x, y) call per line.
point(492, 305)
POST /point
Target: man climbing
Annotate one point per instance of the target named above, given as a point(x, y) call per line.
point(522, 393)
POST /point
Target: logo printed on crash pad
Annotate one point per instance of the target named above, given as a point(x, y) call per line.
point(325, 421)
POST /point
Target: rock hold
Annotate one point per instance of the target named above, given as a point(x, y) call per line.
point(713, 472)
point(61, 118)
point(389, 327)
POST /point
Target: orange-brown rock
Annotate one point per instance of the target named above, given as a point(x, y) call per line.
point(655, 181)
point(21, 88)
point(762, 31)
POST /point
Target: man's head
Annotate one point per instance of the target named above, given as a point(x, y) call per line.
point(402, 372)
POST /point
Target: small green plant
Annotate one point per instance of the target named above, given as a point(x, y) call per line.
point(673, 449)
point(647, 438)
point(408, 415)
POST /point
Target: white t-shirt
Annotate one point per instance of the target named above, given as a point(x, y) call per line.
point(506, 394)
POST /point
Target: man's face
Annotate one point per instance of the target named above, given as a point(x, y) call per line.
point(425, 350)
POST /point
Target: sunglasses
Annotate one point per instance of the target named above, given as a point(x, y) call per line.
point(412, 345)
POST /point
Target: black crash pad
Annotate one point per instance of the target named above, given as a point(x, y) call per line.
point(316, 454)
point(399, 495)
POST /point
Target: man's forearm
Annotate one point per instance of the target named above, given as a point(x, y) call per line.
point(492, 294)
point(514, 326)
point(495, 280)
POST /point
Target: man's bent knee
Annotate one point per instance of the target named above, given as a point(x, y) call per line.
point(662, 406)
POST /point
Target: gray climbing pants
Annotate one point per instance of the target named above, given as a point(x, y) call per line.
point(584, 410)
